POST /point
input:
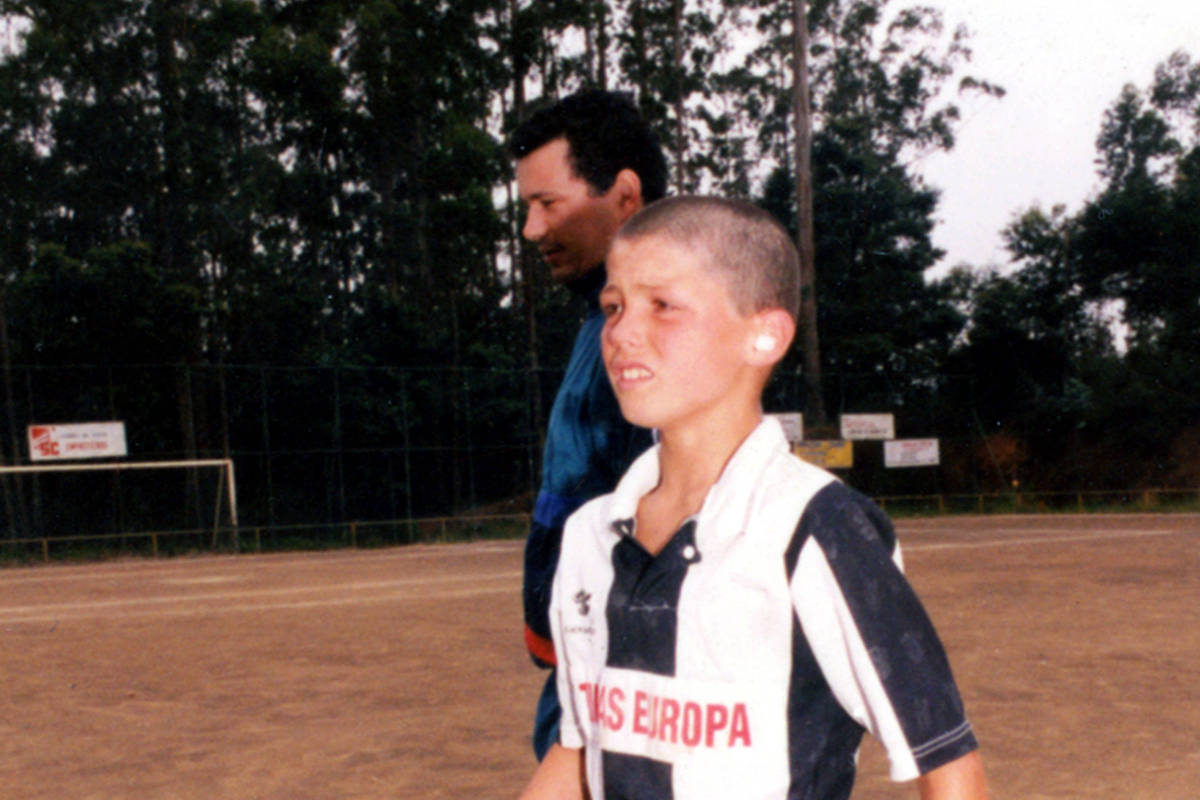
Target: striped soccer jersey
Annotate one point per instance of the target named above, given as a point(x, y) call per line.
point(746, 658)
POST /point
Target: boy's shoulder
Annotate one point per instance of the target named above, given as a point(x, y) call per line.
point(764, 473)
point(769, 469)
point(812, 502)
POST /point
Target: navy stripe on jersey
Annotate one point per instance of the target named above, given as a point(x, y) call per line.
point(822, 738)
point(642, 614)
point(635, 778)
point(858, 542)
point(822, 755)
point(644, 600)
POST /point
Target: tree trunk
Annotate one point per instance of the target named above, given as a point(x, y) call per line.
point(602, 44)
point(677, 88)
point(14, 500)
point(802, 122)
point(523, 262)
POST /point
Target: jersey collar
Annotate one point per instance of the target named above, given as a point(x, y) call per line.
point(740, 475)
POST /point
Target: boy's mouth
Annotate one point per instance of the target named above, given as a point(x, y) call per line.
point(626, 375)
point(633, 373)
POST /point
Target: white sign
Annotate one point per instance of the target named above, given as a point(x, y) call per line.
point(857, 427)
point(911, 453)
point(82, 440)
point(793, 425)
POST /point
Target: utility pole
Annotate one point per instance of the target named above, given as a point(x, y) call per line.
point(814, 410)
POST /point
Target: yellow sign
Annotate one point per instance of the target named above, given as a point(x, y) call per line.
point(827, 453)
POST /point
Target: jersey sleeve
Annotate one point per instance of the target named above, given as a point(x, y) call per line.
point(870, 636)
point(570, 733)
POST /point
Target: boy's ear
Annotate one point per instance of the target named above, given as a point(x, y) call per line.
point(627, 187)
point(771, 336)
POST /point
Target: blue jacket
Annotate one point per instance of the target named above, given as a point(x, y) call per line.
point(588, 447)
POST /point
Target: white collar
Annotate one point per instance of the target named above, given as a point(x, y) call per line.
point(764, 443)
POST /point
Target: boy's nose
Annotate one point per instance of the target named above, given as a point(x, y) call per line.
point(623, 329)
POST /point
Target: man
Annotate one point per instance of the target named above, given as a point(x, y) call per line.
point(584, 166)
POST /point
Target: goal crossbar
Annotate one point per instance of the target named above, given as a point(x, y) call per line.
point(230, 485)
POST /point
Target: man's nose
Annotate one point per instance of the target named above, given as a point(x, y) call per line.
point(535, 225)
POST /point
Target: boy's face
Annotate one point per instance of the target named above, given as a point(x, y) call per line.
point(674, 344)
point(571, 225)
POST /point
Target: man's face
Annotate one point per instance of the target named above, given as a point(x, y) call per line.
point(571, 224)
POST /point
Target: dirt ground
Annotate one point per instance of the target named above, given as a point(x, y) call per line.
point(400, 673)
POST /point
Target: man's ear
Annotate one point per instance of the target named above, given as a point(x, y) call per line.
point(771, 336)
point(627, 191)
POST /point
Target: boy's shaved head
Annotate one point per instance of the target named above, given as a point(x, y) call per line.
point(739, 240)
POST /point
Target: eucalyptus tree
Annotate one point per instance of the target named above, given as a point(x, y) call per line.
point(1139, 234)
point(668, 50)
point(1090, 344)
point(881, 87)
point(1033, 344)
point(1137, 245)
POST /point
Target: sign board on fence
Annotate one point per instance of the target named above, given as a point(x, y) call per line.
point(857, 427)
point(827, 453)
point(78, 440)
point(911, 453)
point(793, 425)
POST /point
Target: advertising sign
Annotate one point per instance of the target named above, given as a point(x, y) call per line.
point(793, 425)
point(911, 453)
point(857, 427)
point(79, 440)
point(827, 453)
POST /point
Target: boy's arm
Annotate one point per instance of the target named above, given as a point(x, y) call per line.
point(558, 777)
point(961, 779)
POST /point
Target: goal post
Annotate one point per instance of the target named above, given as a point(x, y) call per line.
point(229, 485)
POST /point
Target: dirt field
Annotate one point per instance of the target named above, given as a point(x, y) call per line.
point(400, 673)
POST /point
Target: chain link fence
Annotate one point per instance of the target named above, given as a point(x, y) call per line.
point(321, 452)
point(311, 445)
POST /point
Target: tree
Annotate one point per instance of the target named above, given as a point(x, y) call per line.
point(1137, 244)
point(1139, 234)
point(1040, 340)
point(666, 51)
point(803, 202)
point(877, 81)
point(1031, 335)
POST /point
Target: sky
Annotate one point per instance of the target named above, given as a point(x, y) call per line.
point(1062, 63)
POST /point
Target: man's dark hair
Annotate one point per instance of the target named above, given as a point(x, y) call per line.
point(605, 134)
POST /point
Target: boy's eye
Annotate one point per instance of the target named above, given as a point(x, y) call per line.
point(662, 305)
point(610, 309)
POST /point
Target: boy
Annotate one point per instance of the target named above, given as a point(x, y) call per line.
point(730, 619)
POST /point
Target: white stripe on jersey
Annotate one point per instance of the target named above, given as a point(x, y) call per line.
point(839, 649)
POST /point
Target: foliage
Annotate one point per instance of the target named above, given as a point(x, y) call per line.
point(254, 182)
point(1092, 346)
